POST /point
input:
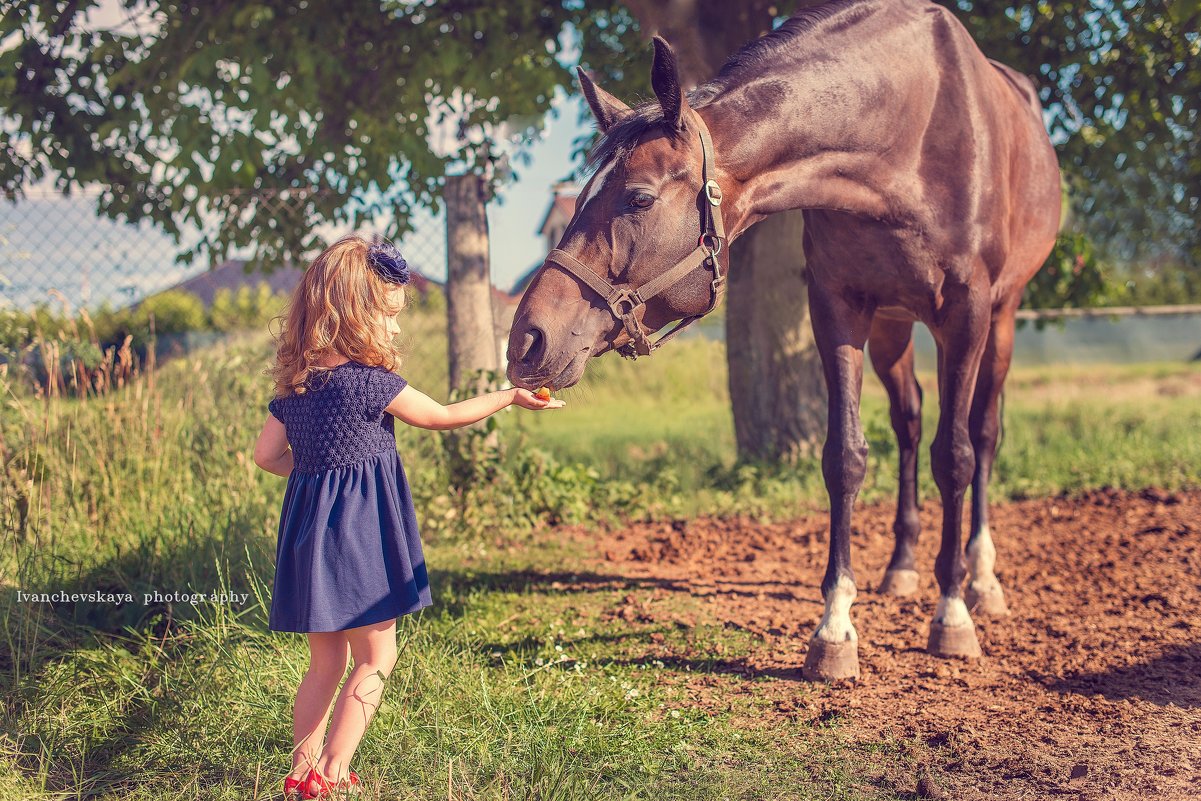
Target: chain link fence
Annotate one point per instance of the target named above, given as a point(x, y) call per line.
point(56, 250)
point(86, 301)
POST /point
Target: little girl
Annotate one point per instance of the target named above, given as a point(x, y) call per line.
point(348, 560)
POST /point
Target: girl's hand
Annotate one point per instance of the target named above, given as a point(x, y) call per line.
point(527, 400)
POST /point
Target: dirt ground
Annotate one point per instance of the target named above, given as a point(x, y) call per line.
point(1089, 689)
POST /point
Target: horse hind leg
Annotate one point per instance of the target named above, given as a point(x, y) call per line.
point(890, 346)
point(984, 593)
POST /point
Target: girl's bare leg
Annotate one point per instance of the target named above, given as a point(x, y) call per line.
point(329, 654)
point(374, 651)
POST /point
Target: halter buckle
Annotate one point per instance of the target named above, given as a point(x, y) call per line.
point(625, 295)
point(713, 192)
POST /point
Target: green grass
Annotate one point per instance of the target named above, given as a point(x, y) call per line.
point(511, 686)
point(518, 683)
point(1065, 429)
point(508, 691)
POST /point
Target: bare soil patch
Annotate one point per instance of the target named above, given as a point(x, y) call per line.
point(1090, 689)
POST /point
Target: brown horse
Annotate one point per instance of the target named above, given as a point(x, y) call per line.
point(930, 193)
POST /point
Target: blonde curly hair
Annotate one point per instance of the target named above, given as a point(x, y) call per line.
point(336, 309)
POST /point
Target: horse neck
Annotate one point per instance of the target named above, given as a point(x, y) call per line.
point(807, 134)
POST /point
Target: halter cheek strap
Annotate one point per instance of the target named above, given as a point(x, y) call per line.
point(625, 301)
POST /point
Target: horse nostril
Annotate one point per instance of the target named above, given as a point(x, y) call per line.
point(531, 345)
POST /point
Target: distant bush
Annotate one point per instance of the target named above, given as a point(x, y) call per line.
point(1072, 276)
point(1075, 275)
point(66, 351)
point(174, 311)
point(434, 299)
point(248, 307)
point(1165, 285)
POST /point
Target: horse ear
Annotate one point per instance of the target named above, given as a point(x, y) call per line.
point(665, 80)
point(605, 107)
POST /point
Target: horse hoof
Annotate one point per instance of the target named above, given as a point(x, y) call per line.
point(953, 641)
point(898, 583)
point(986, 600)
point(830, 661)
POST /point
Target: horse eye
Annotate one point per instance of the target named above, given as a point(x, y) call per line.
point(641, 200)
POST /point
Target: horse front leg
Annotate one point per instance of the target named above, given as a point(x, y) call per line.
point(961, 341)
point(840, 330)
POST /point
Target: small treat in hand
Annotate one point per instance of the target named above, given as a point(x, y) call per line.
point(543, 393)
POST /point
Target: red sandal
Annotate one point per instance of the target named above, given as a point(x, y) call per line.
point(317, 786)
point(292, 787)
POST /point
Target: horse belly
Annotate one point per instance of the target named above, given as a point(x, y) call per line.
point(889, 266)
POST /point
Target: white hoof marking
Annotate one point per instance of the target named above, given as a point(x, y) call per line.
point(952, 613)
point(836, 622)
point(981, 561)
point(981, 555)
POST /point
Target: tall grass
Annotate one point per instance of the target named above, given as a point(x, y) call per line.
point(150, 487)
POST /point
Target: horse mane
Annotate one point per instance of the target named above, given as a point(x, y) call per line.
point(624, 134)
point(760, 49)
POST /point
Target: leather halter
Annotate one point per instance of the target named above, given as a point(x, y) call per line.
point(624, 301)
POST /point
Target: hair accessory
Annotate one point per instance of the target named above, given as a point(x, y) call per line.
point(385, 259)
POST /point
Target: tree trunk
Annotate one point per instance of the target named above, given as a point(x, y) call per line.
point(703, 32)
point(471, 333)
point(777, 390)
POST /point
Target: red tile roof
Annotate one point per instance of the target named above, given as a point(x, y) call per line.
point(564, 204)
point(232, 274)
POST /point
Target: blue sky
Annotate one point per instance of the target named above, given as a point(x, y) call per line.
point(514, 217)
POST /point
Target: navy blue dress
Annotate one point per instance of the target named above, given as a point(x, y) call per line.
point(348, 553)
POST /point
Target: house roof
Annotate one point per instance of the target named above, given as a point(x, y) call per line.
point(524, 281)
point(501, 296)
point(561, 204)
point(232, 274)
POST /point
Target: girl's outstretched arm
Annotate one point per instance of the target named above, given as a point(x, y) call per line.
point(271, 451)
point(418, 409)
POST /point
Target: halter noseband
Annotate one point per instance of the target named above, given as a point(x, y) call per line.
point(625, 301)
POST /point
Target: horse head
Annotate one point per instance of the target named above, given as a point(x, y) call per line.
point(644, 247)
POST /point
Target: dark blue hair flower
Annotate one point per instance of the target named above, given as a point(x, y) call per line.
point(385, 259)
